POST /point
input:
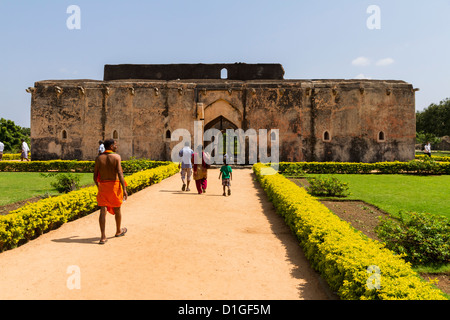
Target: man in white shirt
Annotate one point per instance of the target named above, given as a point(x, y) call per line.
point(428, 149)
point(2, 147)
point(101, 147)
point(25, 150)
point(186, 166)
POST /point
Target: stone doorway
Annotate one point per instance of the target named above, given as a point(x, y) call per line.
point(222, 124)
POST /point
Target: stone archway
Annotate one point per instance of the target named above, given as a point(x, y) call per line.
point(222, 115)
point(222, 124)
point(223, 108)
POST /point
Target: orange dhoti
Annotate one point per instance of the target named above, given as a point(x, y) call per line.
point(110, 195)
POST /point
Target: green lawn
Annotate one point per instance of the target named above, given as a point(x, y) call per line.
point(17, 186)
point(393, 193)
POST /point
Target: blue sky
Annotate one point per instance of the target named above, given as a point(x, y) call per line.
point(320, 39)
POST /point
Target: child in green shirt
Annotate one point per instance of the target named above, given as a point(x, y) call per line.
point(227, 176)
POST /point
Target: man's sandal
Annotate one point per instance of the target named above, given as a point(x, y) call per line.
point(124, 230)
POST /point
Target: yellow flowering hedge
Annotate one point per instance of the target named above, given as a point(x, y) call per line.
point(435, 158)
point(411, 167)
point(341, 253)
point(13, 156)
point(34, 219)
point(134, 165)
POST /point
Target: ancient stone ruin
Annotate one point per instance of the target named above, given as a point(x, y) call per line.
point(142, 105)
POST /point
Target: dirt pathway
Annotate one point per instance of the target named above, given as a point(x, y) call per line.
point(179, 245)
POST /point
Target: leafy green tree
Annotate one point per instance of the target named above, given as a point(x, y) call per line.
point(423, 138)
point(11, 135)
point(435, 119)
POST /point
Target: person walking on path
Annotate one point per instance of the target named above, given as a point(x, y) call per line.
point(428, 149)
point(101, 147)
point(200, 167)
point(227, 176)
point(2, 147)
point(108, 177)
point(25, 150)
point(186, 166)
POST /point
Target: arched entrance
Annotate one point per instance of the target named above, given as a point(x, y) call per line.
point(222, 124)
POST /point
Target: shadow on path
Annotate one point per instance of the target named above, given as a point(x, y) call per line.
point(289, 240)
point(75, 239)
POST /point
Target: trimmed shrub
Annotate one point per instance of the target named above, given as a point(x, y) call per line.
point(65, 182)
point(13, 156)
point(412, 167)
point(128, 166)
point(327, 187)
point(435, 158)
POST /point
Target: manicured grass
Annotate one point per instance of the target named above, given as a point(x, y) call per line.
point(393, 193)
point(17, 186)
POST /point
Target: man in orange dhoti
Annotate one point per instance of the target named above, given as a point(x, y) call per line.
point(108, 177)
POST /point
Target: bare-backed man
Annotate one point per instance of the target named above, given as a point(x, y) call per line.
point(108, 177)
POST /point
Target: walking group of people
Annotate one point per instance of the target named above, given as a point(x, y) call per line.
point(192, 166)
point(23, 155)
point(109, 179)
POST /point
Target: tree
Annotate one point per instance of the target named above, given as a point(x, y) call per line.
point(435, 119)
point(424, 138)
point(11, 135)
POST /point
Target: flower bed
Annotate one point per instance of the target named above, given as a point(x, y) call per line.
point(34, 219)
point(347, 259)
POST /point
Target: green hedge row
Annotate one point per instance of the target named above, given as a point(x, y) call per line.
point(355, 266)
point(411, 167)
point(34, 219)
point(13, 156)
point(435, 158)
point(128, 166)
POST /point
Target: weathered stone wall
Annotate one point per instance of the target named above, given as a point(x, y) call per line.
point(233, 71)
point(356, 115)
point(318, 120)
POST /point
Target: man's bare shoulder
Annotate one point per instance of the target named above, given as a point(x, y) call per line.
point(115, 155)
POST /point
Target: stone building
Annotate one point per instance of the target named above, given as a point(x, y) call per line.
point(142, 105)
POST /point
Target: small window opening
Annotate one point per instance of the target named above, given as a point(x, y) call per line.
point(168, 134)
point(224, 73)
point(115, 134)
point(64, 134)
point(381, 136)
point(326, 136)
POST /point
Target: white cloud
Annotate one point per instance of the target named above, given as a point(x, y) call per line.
point(361, 62)
point(362, 76)
point(66, 71)
point(385, 62)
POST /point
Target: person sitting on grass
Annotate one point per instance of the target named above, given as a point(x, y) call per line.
point(227, 176)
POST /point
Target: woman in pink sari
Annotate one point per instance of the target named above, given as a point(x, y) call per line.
point(200, 169)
